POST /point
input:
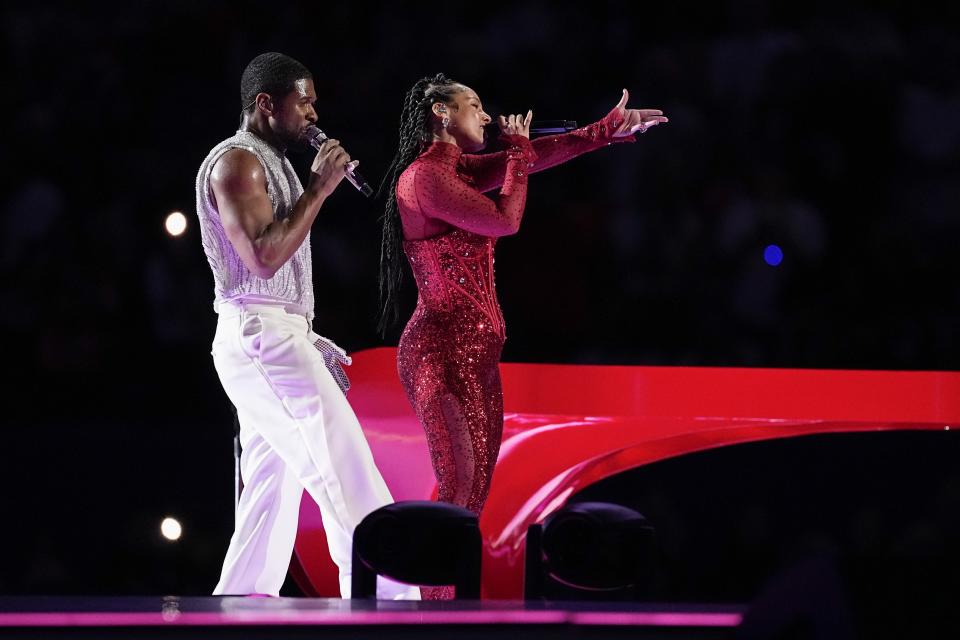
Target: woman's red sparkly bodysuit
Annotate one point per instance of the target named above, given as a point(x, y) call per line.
point(450, 349)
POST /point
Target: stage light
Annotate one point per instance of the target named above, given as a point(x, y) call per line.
point(418, 542)
point(171, 529)
point(590, 551)
point(176, 223)
point(773, 255)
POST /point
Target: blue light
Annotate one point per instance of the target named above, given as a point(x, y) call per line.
point(772, 255)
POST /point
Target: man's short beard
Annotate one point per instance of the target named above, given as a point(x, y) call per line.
point(300, 145)
point(296, 141)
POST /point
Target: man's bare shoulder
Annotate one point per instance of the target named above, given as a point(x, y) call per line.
point(237, 170)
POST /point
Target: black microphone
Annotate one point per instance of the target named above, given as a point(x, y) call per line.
point(552, 126)
point(317, 138)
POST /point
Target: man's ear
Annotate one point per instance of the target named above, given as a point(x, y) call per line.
point(265, 103)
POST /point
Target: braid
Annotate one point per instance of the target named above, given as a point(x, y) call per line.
point(415, 134)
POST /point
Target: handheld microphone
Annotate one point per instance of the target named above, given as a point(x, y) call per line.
point(552, 126)
point(316, 137)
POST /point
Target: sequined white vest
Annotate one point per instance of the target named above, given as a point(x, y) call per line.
point(292, 284)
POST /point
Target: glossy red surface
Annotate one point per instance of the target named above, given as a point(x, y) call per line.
point(569, 426)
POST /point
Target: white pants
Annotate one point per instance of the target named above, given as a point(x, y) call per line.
point(298, 432)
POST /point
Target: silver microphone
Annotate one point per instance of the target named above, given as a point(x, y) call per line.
point(316, 137)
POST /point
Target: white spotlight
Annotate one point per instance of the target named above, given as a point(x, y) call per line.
point(176, 223)
point(171, 529)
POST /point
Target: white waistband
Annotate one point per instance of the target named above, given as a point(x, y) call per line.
point(232, 308)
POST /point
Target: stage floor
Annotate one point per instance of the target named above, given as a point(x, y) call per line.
point(236, 617)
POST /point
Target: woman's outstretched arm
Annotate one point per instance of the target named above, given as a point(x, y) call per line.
point(620, 125)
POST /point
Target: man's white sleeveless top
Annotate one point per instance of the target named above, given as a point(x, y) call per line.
point(292, 284)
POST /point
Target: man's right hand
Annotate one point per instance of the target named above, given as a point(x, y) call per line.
point(329, 168)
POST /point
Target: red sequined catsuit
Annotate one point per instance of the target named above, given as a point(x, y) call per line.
point(449, 352)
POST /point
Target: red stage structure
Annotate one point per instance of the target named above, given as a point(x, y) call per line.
point(569, 426)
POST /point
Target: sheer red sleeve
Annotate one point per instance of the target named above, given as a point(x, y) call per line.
point(487, 172)
point(443, 195)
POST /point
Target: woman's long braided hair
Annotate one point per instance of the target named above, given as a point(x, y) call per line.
point(415, 135)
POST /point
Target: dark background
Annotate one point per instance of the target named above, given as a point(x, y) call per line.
point(830, 129)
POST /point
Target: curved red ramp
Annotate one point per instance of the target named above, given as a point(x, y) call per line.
point(569, 426)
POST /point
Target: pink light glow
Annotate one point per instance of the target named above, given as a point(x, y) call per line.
point(657, 619)
point(340, 618)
